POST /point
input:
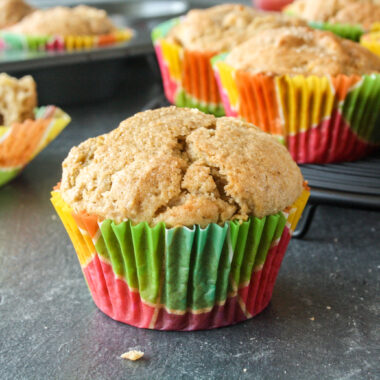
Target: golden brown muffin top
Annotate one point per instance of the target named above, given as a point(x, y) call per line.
point(222, 27)
point(18, 98)
point(12, 11)
point(182, 167)
point(303, 51)
point(363, 12)
point(81, 20)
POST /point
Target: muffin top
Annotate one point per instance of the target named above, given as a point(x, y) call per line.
point(220, 28)
point(63, 21)
point(182, 167)
point(363, 12)
point(12, 11)
point(303, 51)
point(18, 98)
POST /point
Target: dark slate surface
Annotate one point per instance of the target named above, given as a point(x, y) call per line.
point(322, 323)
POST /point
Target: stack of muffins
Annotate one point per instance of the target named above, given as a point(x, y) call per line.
point(180, 219)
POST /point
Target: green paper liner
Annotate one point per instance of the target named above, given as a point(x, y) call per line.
point(349, 31)
point(180, 278)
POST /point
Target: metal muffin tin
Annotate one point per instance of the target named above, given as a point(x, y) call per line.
point(65, 78)
point(90, 75)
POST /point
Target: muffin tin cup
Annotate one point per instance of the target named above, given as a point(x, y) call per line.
point(16, 41)
point(187, 76)
point(319, 119)
point(21, 142)
point(180, 278)
point(371, 41)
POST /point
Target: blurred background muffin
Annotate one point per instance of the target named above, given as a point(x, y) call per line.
point(12, 11)
point(24, 129)
point(347, 18)
point(319, 93)
point(18, 98)
point(78, 21)
point(184, 48)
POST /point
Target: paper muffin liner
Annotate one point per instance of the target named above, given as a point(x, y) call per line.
point(187, 76)
point(371, 41)
point(17, 41)
point(180, 278)
point(21, 142)
point(319, 119)
point(349, 31)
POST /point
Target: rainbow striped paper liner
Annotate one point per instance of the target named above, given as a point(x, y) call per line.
point(371, 41)
point(187, 76)
point(180, 278)
point(319, 119)
point(16, 41)
point(21, 142)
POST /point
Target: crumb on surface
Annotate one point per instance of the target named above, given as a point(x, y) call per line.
point(312, 318)
point(132, 355)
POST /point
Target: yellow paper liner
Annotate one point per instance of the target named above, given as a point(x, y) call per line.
point(372, 42)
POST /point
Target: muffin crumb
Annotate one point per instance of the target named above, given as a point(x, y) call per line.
point(132, 355)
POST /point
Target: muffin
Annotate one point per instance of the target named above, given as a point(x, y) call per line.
point(318, 93)
point(24, 129)
point(78, 21)
point(13, 11)
point(184, 48)
point(346, 18)
point(18, 98)
point(78, 27)
point(180, 220)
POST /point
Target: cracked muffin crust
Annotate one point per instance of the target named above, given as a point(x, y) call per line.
point(222, 27)
point(303, 51)
point(12, 11)
point(81, 20)
point(18, 98)
point(182, 167)
point(363, 12)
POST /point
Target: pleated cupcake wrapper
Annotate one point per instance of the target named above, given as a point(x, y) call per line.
point(180, 278)
point(349, 31)
point(371, 41)
point(16, 41)
point(21, 142)
point(187, 76)
point(319, 119)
